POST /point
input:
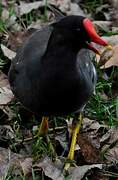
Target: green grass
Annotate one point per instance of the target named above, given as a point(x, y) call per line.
point(40, 147)
point(90, 5)
point(25, 20)
point(3, 23)
point(103, 106)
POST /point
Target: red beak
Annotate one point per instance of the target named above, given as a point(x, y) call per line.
point(93, 35)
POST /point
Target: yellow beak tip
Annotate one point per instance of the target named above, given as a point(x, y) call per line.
point(109, 47)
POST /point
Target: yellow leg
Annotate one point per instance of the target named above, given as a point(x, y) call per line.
point(43, 129)
point(73, 142)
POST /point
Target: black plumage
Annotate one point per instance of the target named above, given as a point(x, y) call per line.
point(52, 73)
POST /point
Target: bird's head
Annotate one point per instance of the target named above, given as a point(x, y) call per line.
point(83, 32)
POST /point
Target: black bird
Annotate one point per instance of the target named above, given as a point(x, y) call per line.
point(52, 73)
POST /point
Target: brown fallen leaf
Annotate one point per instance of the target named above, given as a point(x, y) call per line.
point(108, 57)
point(105, 57)
point(98, 175)
point(90, 125)
point(6, 94)
point(79, 172)
point(25, 8)
point(50, 169)
point(112, 154)
point(6, 132)
point(90, 153)
point(114, 14)
point(113, 61)
point(68, 7)
point(10, 161)
point(61, 139)
point(109, 142)
point(26, 166)
point(8, 111)
point(113, 40)
point(89, 142)
point(91, 131)
point(110, 136)
point(103, 25)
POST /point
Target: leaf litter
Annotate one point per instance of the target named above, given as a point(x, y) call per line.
point(6, 94)
point(94, 139)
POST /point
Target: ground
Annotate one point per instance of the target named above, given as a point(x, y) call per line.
point(21, 155)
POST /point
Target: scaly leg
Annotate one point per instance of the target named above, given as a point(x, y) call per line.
point(73, 142)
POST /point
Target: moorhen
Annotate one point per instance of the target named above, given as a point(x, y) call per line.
point(52, 73)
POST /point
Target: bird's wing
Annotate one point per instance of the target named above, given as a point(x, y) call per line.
point(85, 65)
point(35, 46)
point(30, 53)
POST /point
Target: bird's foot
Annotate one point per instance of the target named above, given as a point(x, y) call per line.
point(73, 142)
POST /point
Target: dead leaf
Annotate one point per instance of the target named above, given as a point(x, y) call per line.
point(25, 8)
point(6, 94)
point(90, 153)
point(88, 141)
point(5, 14)
point(36, 25)
point(113, 40)
point(68, 7)
point(90, 125)
point(108, 58)
point(4, 3)
point(113, 61)
point(75, 10)
point(110, 147)
point(50, 169)
point(115, 29)
point(79, 172)
point(8, 111)
point(12, 23)
point(98, 175)
point(7, 52)
point(105, 57)
point(6, 132)
point(61, 138)
point(90, 129)
point(110, 136)
point(26, 166)
point(63, 5)
point(9, 160)
point(102, 25)
point(114, 10)
point(112, 154)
